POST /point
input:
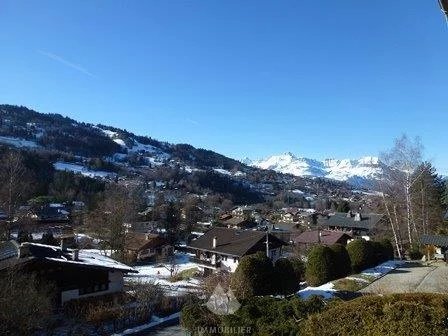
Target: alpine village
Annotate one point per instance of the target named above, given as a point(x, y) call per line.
point(223, 168)
point(107, 232)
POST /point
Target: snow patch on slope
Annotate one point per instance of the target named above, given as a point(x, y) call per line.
point(80, 169)
point(18, 142)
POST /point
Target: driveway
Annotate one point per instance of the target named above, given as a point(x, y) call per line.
point(412, 277)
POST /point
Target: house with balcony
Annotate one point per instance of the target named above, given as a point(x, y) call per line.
point(222, 248)
point(75, 274)
point(147, 246)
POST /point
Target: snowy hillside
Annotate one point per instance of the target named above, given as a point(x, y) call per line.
point(362, 172)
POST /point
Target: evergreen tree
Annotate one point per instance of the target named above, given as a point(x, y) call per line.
point(320, 267)
point(253, 276)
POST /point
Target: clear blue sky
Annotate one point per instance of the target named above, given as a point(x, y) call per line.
point(244, 78)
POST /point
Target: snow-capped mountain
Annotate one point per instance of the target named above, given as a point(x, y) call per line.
point(361, 172)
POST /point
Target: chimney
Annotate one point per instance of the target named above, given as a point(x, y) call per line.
point(357, 217)
point(75, 254)
point(215, 242)
point(63, 245)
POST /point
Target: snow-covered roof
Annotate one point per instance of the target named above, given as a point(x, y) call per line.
point(85, 258)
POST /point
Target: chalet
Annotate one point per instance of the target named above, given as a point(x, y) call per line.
point(74, 273)
point(245, 211)
point(289, 217)
point(141, 227)
point(239, 223)
point(222, 248)
point(51, 213)
point(356, 224)
point(326, 237)
point(303, 217)
point(225, 216)
point(147, 246)
point(436, 246)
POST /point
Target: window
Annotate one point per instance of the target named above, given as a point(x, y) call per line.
point(235, 259)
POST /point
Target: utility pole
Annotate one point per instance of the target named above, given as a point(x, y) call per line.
point(267, 243)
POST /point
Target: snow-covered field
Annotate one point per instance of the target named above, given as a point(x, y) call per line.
point(159, 273)
point(229, 173)
point(17, 142)
point(79, 169)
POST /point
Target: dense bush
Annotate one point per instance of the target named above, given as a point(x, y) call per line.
point(320, 267)
point(196, 318)
point(362, 254)
point(387, 249)
point(286, 280)
point(415, 253)
point(253, 276)
point(257, 315)
point(299, 268)
point(26, 303)
point(342, 263)
point(398, 315)
point(383, 251)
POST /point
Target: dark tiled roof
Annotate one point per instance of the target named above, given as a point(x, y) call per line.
point(236, 221)
point(140, 241)
point(327, 237)
point(234, 242)
point(339, 219)
point(434, 240)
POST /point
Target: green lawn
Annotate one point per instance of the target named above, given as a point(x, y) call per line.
point(184, 275)
point(349, 285)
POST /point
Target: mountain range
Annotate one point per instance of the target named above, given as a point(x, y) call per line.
point(100, 150)
point(361, 172)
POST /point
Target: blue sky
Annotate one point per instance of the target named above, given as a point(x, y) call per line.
point(244, 78)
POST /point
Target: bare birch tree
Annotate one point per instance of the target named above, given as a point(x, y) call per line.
point(14, 183)
point(403, 159)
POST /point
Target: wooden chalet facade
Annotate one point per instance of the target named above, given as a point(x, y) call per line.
point(147, 246)
point(74, 274)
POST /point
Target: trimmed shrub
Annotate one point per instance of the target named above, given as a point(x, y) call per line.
point(320, 265)
point(397, 314)
point(362, 254)
point(342, 261)
point(387, 249)
point(270, 316)
point(299, 268)
point(253, 276)
point(286, 280)
point(415, 253)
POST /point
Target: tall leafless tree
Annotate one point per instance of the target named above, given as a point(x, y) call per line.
point(118, 206)
point(15, 183)
point(403, 159)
